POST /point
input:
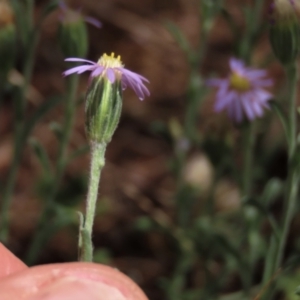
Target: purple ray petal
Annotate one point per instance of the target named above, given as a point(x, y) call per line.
point(138, 87)
point(79, 70)
point(124, 85)
point(128, 82)
point(134, 75)
point(257, 108)
point(236, 64)
point(215, 81)
point(248, 107)
point(75, 59)
point(223, 89)
point(98, 70)
point(238, 111)
point(221, 103)
point(263, 82)
point(110, 75)
point(255, 74)
point(93, 21)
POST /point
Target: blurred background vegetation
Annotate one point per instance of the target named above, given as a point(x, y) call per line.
point(169, 208)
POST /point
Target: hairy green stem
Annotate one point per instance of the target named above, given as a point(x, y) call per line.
point(43, 223)
point(97, 164)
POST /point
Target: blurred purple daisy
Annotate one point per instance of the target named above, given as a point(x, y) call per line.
point(69, 15)
point(243, 92)
point(112, 68)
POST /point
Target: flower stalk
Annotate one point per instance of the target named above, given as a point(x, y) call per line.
point(249, 140)
point(97, 164)
point(277, 249)
point(293, 179)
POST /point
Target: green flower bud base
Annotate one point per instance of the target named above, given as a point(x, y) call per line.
point(285, 41)
point(73, 38)
point(103, 109)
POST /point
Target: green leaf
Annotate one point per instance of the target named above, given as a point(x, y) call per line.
point(19, 8)
point(57, 130)
point(179, 37)
point(289, 284)
point(273, 189)
point(235, 29)
point(144, 224)
point(78, 152)
point(41, 154)
point(276, 107)
point(265, 212)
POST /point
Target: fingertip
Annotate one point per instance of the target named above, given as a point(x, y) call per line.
point(9, 262)
point(64, 279)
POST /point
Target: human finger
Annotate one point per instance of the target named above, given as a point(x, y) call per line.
point(9, 263)
point(74, 281)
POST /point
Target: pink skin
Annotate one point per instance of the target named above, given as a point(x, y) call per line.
point(65, 281)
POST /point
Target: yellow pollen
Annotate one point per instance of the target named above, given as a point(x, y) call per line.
point(110, 61)
point(239, 83)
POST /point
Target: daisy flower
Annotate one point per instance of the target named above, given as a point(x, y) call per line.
point(112, 68)
point(243, 92)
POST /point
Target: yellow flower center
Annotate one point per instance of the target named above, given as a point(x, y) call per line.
point(110, 61)
point(239, 83)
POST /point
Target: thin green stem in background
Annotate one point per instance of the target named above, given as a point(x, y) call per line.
point(195, 96)
point(277, 250)
point(245, 47)
point(39, 237)
point(67, 124)
point(30, 7)
point(97, 164)
point(8, 189)
point(292, 181)
point(248, 145)
point(20, 139)
point(252, 28)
